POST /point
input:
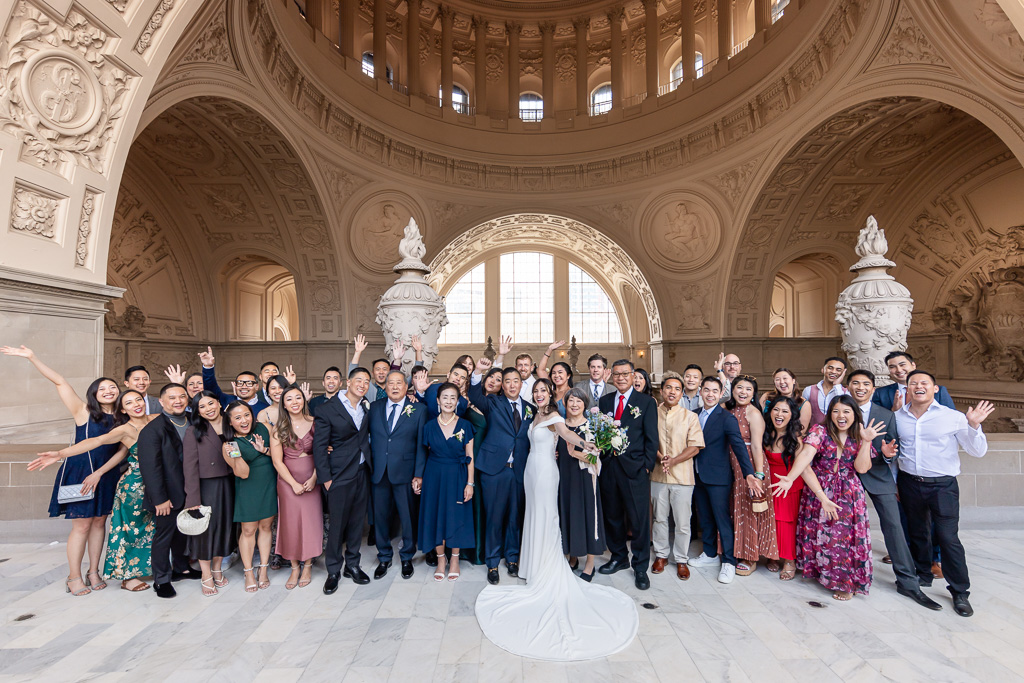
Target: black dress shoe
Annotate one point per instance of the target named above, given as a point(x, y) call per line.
point(919, 597)
point(492, 576)
point(962, 606)
point(406, 569)
point(164, 590)
point(359, 576)
point(331, 584)
point(513, 568)
point(587, 577)
point(431, 558)
point(641, 581)
point(382, 570)
point(613, 566)
point(346, 573)
point(187, 574)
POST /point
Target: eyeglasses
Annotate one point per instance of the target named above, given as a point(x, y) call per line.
point(732, 363)
point(748, 378)
point(621, 374)
point(245, 383)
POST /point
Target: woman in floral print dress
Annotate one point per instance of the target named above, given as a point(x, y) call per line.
point(833, 536)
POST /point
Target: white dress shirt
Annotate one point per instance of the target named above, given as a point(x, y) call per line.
point(357, 414)
point(398, 413)
point(615, 403)
point(596, 390)
point(825, 398)
point(929, 444)
point(517, 406)
point(527, 389)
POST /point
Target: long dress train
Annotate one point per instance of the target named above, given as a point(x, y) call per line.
point(555, 616)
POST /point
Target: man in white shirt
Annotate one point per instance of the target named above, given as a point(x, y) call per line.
point(820, 395)
point(596, 385)
point(525, 365)
point(930, 438)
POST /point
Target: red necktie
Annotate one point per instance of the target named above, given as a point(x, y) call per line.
point(622, 405)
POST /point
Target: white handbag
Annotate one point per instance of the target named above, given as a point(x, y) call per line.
point(72, 493)
point(193, 526)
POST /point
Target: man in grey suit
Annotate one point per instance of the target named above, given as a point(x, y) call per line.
point(597, 366)
point(880, 485)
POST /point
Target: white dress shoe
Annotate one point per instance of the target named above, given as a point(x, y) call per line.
point(703, 560)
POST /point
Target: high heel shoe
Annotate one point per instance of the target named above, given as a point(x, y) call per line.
point(587, 577)
point(100, 583)
point(253, 588)
point(263, 584)
point(453, 575)
point(85, 591)
point(221, 582)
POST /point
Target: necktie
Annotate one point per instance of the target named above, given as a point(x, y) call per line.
point(621, 407)
point(597, 393)
point(391, 418)
point(517, 419)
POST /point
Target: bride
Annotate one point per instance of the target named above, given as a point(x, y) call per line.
point(555, 616)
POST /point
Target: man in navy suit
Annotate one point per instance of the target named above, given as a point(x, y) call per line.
point(501, 464)
point(626, 478)
point(398, 458)
point(713, 478)
point(893, 396)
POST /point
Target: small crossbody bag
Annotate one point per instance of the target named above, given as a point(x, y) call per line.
point(72, 493)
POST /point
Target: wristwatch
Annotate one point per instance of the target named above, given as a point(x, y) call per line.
point(759, 475)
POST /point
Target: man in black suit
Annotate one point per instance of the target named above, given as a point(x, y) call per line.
point(163, 479)
point(342, 425)
point(398, 458)
point(626, 478)
point(881, 486)
point(713, 479)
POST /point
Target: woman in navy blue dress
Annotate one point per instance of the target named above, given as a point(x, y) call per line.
point(93, 417)
point(446, 509)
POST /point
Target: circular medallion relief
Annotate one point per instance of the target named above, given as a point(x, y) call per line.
point(680, 231)
point(376, 231)
point(61, 89)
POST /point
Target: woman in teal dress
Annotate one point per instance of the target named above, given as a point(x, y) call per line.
point(129, 545)
point(247, 452)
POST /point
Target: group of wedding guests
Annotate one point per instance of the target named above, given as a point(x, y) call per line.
point(780, 477)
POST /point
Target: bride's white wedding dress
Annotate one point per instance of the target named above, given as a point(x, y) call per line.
point(555, 616)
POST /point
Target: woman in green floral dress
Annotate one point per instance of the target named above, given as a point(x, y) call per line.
point(129, 545)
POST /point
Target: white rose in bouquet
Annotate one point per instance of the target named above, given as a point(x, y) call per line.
point(616, 441)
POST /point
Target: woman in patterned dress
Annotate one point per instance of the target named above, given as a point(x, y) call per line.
point(833, 536)
point(755, 531)
point(129, 544)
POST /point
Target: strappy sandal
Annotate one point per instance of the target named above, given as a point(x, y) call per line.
point(773, 566)
point(744, 568)
point(303, 582)
point(441, 566)
point(99, 585)
point(254, 587)
point(79, 593)
point(788, 572)
point(454, 575)
point(293, 580)
point(140, 586)
point(263, 585)
point(842, 596)
point(208, 590)
point(222, 581)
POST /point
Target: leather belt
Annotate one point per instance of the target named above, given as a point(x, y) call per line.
point(928, 480)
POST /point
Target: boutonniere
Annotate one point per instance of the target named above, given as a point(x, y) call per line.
point(408, 411)
point(635, 412)
point(459, 434)
point(529, 412)
point(365, 404)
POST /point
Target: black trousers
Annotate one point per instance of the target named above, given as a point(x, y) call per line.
point(385, 497)
point(626, 502)
point(346, 505)
point(169, 547)
point(928, 500)
point(888, 509)
point(713, 503)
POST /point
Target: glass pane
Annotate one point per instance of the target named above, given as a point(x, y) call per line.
point(527, 295)
point(592, 318)
point(465, 306)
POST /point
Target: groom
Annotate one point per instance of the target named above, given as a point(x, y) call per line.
point(501, 464)
point(626, 479)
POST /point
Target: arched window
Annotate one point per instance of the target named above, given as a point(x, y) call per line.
point(465, 304)
point(527, 296)
point(601, 99)
point(592, 317)
point(460, 98)
point(531, 106)
point(698, 65)
point(368, 66)
point(676, 74)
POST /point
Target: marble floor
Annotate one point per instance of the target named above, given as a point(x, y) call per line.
point(757, 629)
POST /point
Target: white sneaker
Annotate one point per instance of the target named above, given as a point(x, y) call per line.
point(727, 574)
point(703, 560)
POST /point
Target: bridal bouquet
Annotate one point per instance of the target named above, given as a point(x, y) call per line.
point(605, 431)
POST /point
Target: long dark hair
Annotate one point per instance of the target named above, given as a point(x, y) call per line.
point(282, 382)
point(283, 429)
point(647, 381)
point(199, 423)
point(228, 432)
point(731, 403)
point(120, 416)
point(492, 371)
point(551, 406)
point(568, 372)
point(854, 430)
point(791, 437)
point(96, 412)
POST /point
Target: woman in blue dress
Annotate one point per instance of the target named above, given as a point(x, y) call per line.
point(93, 416)
point(446, 510)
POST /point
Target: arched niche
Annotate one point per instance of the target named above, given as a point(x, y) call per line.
point(261, 301)
point(803, 298)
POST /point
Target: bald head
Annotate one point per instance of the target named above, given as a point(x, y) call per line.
point(732, 366)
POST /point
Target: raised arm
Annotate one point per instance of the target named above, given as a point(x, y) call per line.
point(360, 346)
point(417, 346)
point(72, 401)
point(48, 458)
point(969, 435)
point(542, 367)
point(504, 347)
point(210, 376)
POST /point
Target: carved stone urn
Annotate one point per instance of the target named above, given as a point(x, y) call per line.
point(874, 311)
point(411, 308)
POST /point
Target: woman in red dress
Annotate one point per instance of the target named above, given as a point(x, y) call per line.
point(781, 444)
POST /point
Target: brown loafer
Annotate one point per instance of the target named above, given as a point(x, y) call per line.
point(659, 565)
point(886, 560)
point(682, 571)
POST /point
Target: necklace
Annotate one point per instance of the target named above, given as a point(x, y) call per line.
point(448, 422)
point(179, 426)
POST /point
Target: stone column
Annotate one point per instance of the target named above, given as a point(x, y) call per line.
point(581, 24)
point(651, 34)
point(513, 29)
point(874, 311)
point(762, 15)
point(315, 14)
point(447, 15)
point(687, 39)
point(547, 37)
point(347, 28)
point(480, 26)
point(724, 29)
point(615, 22)
point(380, 39)
point(412, 46)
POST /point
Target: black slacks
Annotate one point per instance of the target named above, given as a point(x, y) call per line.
point(346, 505)
point(935, 499)
point(169, 547)
point(626, 502)
point(713, 503)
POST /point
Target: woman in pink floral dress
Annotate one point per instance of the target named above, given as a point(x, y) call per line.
point(833, 539)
